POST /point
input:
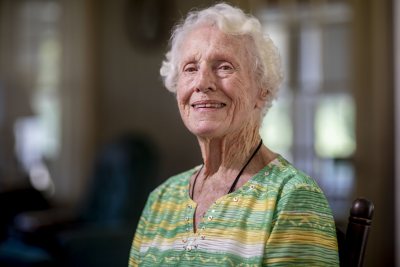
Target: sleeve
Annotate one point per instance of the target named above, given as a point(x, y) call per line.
point(134, 257)
point(303, 230)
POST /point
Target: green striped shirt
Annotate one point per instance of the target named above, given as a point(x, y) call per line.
point(280, 217)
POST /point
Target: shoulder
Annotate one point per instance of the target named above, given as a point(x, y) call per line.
point(284, 177)
point(296, 191)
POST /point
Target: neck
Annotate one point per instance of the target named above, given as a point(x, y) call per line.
point(228, 152)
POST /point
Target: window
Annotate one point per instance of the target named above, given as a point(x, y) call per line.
point(312, 123)
point(38, 56)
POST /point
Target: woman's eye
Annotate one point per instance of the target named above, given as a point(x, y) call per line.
point(190, 68)
point(225, 67)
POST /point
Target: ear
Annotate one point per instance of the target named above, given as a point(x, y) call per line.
point(262, 97)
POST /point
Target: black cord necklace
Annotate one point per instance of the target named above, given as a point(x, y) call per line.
point(232, 188)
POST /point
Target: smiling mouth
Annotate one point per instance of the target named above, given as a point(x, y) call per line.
point(208, 105)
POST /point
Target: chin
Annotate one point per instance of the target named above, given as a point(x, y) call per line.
point(206, 132)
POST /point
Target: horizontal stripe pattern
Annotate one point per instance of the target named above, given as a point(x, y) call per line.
point(279, 217)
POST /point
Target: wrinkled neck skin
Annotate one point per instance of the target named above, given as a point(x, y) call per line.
point(231, 152)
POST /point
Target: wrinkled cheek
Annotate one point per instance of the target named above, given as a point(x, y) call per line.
point(183, 97)
point(184, 86)
point(183, 110)
point(241, 105)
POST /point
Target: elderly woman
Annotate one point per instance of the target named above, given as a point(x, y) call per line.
point(245, 205)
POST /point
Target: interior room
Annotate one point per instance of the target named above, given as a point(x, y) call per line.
point(87, 129)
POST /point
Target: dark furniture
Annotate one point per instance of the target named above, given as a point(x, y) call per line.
point(100, 230)
point(352, 244)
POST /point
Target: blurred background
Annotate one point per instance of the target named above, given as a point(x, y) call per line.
point(87, 129)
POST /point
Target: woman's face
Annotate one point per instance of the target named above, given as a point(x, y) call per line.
point(216, 90)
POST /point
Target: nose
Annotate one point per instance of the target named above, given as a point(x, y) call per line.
point(205, 80)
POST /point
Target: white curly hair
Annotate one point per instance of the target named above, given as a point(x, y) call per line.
point(229, 20)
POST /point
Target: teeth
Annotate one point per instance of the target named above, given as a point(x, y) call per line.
point(209, 105)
